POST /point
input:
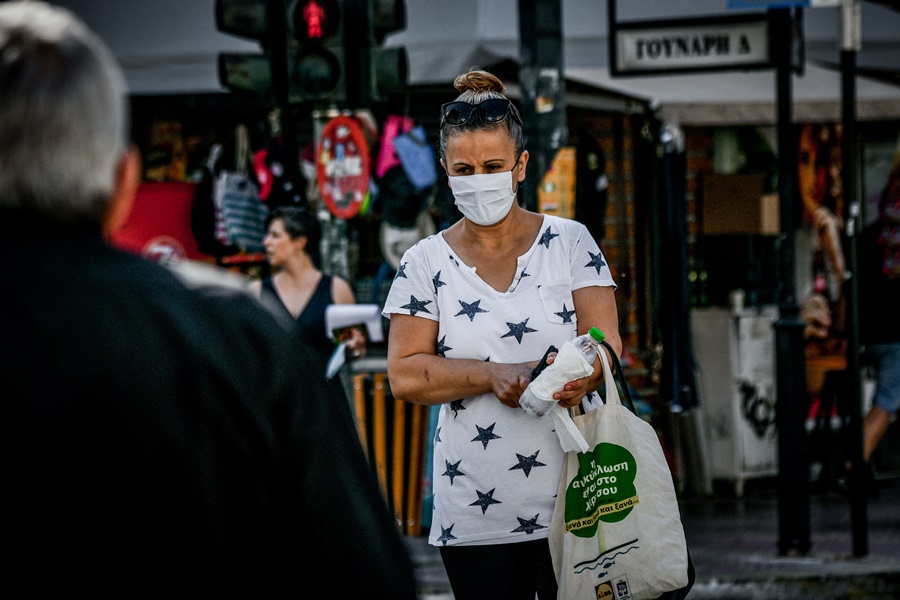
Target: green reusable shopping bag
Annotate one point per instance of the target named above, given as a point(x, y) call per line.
point(616, 531)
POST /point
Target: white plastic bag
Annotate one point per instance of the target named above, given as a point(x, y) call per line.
point(616, 530)
point(537, 400)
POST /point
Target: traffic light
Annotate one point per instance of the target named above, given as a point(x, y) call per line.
point(302, 40)
point(315, 50)
point(245, 72)
point(388, 16)
point(390, 64)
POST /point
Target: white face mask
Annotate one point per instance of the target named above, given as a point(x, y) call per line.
point(483, 199)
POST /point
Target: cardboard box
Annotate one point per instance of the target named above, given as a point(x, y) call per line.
point(736, 204)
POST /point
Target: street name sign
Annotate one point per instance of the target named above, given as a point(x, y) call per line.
point(688, 45)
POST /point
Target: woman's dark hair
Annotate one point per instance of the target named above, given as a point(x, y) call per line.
point(474, 87)
point(300, 222)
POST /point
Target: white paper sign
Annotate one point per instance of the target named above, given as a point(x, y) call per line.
point(340, 316)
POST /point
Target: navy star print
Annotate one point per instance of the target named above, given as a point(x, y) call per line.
point(596, 261)
point(485, 435)
point(470, 309)
point(485, 500)
point(401, 271)
point(529, 526)
point(415, 305)
point(437, 435)
point(545, 239)
point(516, 330)
point(442, 348)
point(452, 471)
point(436, 280)
point(566, 315)
point(456, 406)
point(526, 463)
point(446, 536)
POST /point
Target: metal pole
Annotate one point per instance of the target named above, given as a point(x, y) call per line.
point(793, 475)
point(850, 17)
point(543, 89)
point(277, 50)
point(357, 40)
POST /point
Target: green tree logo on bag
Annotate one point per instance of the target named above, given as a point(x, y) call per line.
point(602, 490)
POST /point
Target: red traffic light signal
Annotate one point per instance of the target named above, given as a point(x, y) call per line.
point(316, 20)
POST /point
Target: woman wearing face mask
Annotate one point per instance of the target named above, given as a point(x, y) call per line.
point(473, 309)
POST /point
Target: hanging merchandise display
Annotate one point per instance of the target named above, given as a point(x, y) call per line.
point(394, 125)
point(343, 166)
point(236, 195)
point(417, 157)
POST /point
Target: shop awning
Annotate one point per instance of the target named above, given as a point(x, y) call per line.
point(738, 97)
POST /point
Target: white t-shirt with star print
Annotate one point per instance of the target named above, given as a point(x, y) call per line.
point(496, 469)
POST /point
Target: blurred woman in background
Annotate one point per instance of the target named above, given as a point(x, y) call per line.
point(298, 286)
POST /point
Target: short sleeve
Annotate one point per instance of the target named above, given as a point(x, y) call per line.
point(412, 291)
point(586, 262)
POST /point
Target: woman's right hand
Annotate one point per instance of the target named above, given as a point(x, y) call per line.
point(508, 381)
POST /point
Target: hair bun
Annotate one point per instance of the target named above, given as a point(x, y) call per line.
point(478, 81)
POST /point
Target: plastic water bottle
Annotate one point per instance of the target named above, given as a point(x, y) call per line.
point(537, 399)
point(589, 343)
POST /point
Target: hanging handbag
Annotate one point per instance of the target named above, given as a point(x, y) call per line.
point(616, 530)
point(236, 197)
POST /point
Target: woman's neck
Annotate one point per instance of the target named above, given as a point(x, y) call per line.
point(298, 272)
point(508, 233)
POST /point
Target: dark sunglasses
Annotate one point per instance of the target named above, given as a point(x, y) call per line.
point(491, 111)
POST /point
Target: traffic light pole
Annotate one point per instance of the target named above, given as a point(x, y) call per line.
point(357, 50)
point(543, 83)
point(278, 52)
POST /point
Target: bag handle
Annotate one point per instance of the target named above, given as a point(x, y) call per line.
point(614, 382)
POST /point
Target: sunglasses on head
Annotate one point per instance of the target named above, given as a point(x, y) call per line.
point(491, 111)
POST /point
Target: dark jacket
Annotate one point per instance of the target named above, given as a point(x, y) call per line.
point(169, 440)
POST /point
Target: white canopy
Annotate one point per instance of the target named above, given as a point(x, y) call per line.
point(444, 39)
point(164, 46)
point(171, 46)
point(747, 97)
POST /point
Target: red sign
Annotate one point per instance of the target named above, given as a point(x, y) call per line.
point(159, 226)
point(343, 166)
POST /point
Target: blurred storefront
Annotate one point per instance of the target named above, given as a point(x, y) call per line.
point(639, 148)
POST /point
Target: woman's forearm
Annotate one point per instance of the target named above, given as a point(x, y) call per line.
point(429, 379)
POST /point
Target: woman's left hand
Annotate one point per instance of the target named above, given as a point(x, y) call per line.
point(356, 344)
point(573, 393)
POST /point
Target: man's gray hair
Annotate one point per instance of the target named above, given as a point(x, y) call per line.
point(63, 114)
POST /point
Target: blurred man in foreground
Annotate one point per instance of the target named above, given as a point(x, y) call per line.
point(159, 439)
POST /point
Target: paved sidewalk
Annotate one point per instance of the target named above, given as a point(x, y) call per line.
point(734, 546)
